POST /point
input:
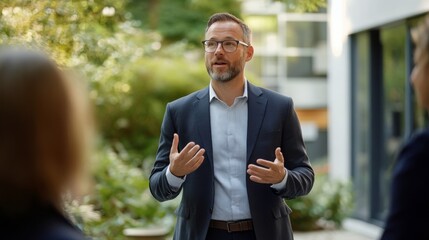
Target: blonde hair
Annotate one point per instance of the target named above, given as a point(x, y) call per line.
point(420, 36)
point(44, 121)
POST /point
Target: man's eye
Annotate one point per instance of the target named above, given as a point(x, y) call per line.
point(210, 44)
point(229, 43)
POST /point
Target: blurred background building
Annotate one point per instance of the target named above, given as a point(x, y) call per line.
point(291, 58)
point(370, 99)
point(362, 78)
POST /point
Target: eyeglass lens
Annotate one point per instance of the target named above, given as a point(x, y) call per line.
point(228, 46)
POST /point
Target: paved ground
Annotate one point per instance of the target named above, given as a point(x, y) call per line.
point(327, 235)
point(330, 235)
point(352, 230)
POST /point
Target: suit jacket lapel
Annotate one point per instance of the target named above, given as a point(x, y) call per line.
point(256, 112)
point(202, 116)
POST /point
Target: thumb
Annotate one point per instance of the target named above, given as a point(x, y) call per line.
point(279, 155)
point(175, 144)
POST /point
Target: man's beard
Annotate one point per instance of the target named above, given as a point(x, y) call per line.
point(227, 76)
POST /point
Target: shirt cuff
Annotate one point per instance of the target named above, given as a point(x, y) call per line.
point(174, 182)
point(279, 186)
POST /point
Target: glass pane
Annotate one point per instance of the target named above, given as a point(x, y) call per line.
point(361, 126)
point(302, 67)
point(299, 67)
point(305, 34)
point(393, 42)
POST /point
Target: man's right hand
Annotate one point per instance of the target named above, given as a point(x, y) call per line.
point(188, 160)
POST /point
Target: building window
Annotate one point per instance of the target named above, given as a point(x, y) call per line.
point(384, 113)
point(393, 42)
point(301, 34)
point(303, 67)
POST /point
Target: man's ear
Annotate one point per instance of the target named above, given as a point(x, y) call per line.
point(249, 53)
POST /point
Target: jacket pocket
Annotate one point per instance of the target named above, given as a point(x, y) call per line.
point(281, 211)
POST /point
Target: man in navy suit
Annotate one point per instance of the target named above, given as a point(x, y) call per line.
point(240, 152)
point(409, 209)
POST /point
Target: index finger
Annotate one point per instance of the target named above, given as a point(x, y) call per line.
point(265, 163)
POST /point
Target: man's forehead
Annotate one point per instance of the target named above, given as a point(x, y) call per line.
point(228, 28)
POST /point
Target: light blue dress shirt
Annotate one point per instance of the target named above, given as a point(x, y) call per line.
point(229, 141)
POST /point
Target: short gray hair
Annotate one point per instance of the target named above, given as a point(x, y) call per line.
point(227, 17)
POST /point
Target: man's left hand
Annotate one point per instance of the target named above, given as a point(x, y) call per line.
point(270, 172)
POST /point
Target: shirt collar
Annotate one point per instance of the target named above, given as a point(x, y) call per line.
point(212, 93)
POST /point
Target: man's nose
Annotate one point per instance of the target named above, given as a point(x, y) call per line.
point(219, 47)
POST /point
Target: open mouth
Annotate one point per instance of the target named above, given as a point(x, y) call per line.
point(220, 63)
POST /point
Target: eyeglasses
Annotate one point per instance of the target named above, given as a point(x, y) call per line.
point(210, 46)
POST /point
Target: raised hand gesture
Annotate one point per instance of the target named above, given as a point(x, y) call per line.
point(270, 172)
point(188, 160)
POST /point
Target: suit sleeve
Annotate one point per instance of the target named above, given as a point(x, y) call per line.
point(300, 177)
point(158, 183)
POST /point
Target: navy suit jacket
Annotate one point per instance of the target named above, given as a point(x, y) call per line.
point(272, 123)
point(409, 208)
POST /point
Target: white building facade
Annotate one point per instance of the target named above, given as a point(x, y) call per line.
point(291, 58)
point(371, 107)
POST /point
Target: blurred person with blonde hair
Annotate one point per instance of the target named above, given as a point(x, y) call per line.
point(409, 209)
point(44, 126)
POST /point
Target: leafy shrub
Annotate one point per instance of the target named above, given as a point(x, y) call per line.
point(120, 199)
point(326, 206)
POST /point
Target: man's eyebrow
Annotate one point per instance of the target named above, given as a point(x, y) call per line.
point(226, 38)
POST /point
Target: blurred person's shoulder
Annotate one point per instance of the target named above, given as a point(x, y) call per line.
point(44, 223)
point(419, 139)
point(415, 153)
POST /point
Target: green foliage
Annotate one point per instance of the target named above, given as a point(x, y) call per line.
point(66, 29)
point(122, 199)
point(131, 74)
point(326, 206)
point(180, 20)
point(304, 5)
point(133, 115)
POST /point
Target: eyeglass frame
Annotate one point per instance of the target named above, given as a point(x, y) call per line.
point(221, 43)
